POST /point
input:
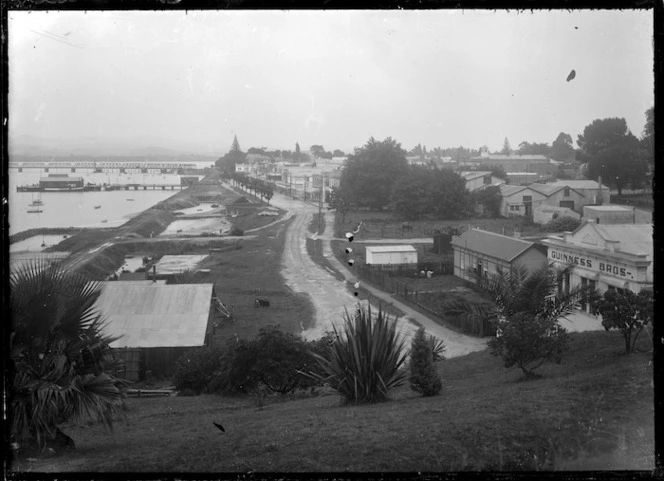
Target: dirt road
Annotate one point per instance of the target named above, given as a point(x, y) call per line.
point(330, 295)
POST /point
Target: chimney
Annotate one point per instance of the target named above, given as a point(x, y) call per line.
point(154, 274)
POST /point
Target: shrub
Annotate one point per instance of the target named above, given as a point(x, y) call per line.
point(423, 375)
point(529, 341)
point(271, 362)
point(194, 370)
point(236, 231)
point(562, 224)
point(365, 360)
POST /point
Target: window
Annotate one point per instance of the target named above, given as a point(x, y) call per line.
point(487, 179)
point(566, 192)
point(527, 198)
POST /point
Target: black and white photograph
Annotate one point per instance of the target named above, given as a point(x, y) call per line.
point(329, 241)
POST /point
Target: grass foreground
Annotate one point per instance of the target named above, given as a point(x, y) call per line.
point(592, 412)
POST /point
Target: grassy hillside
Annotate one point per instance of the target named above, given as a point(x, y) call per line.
point(593, 411)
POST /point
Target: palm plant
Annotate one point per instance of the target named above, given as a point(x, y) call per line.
point(521, 291)
point(366, 360)
point(59, 353)
point(527, 307)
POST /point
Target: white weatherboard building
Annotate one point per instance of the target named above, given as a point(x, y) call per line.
point(618, 256)
point(396, 255)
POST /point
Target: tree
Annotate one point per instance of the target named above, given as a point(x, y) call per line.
point(425, 191)
point(507, 148)
point(297, 155)
point(528, 342)
point(338, 153)
point(621, 164)
point(317, 150)
point(562, 149)
point(59, 354)
point(627, 312)
point(339, 200)
point(526, 312)
point(371, 171)
point(424, 378)
point(498, 171)
point(526, 148)
point(648, 135)
point(226, 164)
point(490, 198)
point(613, 153)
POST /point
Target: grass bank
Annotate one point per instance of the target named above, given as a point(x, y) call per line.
point(593, 411)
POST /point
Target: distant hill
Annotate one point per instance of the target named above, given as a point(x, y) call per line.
point(92, 146)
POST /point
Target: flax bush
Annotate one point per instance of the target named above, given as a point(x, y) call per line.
point(365, 360)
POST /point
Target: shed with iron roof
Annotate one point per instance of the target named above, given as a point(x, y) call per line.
point(484, 253)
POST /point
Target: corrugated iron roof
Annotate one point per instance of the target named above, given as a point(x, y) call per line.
point(492, 244)
point(506, 189)
point(397, 248)
point(578, 184)
point(550, 189)
point(470, 175)
point(633, 238)
point(150, 314)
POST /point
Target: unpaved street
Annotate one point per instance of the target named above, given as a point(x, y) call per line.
point(330, 296)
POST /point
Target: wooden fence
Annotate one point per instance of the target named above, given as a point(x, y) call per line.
point(431, 301)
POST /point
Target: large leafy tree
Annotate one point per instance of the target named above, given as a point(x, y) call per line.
point(527, 307)
point(59, 355)
point(613, 153)
point(489, 198)
point(526, 148)
point(339, 200)
point(627, 312)
point(562, 149)
point(371, 171)
point(648, 135)
point(426, 191)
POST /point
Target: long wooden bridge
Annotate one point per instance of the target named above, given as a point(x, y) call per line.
point(142, 167)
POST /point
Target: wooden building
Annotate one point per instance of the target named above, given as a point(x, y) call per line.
point(157, 323)
point(486, 253)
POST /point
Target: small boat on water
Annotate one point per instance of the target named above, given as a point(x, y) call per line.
point(34, 211)
point(97, 207)
point(130, 200)
point(104, 221)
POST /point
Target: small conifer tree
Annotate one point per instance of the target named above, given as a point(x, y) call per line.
point(423, 375)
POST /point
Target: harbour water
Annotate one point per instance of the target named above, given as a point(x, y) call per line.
point(83, 209)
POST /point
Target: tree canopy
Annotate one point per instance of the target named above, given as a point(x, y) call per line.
point(371, 171)
point(562, 148)
point(613, 153)
point(429, 192)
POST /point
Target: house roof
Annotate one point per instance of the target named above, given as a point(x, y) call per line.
point(524, 158)
point(633, 238)
point(578, 184)
point(150, 314)
point(609, 208)
point(506, 189)
point(474, 174)
point(550, 189)
point(397, 248)
point(492, 244)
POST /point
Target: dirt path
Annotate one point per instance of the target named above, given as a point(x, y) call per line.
point(330, 296)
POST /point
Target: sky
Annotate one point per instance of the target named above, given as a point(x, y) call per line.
point(334, 78)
